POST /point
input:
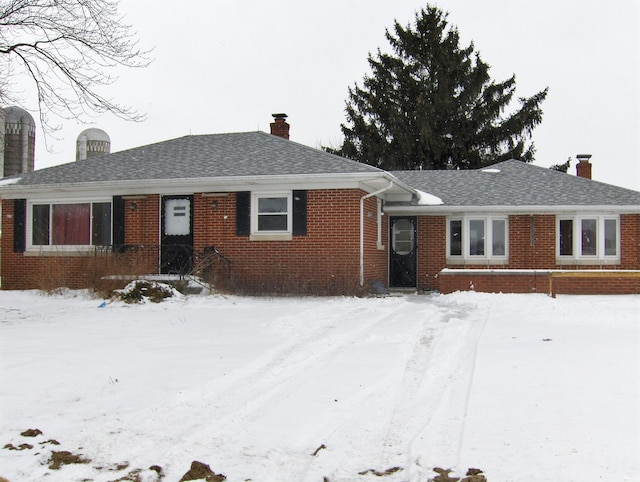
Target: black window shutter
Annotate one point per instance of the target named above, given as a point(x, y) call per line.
point(243, 213)
point(19, 225)
point(299, 213)
point(118, 222)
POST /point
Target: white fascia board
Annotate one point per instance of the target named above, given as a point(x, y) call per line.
point(448, 210)
point(399, 191)
point(367, 181)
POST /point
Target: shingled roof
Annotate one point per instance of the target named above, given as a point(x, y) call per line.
point(197, 157)
point(515, 183)
point(251, 155)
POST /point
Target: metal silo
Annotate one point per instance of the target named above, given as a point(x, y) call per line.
point(19, 141)
point(92, 142)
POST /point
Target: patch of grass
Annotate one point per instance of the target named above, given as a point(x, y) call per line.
point(58, 459)
point(383, 473)
point(473, 475)
point(200, 471)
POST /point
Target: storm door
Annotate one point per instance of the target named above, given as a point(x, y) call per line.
point(402, 255)
point(176, 238)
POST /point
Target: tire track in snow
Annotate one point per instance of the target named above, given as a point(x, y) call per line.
point(243, 394)
point(445, 392)
point(390, 427)
point(435, 384)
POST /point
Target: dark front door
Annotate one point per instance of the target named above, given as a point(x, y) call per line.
point(402, 262)
point(176, 239)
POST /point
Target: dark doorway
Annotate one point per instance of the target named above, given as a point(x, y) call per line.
point(402, 255)
point(176, 238)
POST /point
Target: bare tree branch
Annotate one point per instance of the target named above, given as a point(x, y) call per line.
point(67, 48)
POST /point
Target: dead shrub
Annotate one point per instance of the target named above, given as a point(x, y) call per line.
point(52, 274)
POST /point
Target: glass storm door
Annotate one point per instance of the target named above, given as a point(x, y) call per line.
point(402, 262)
point(176, 238)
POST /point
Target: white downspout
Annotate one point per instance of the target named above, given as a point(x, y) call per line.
point(367, 196)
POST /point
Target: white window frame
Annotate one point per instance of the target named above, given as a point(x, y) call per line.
point(488, 257)
point(576, 257)
point(55, 248)
point(274, 235)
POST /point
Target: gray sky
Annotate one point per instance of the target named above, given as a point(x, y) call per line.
point(226, 66)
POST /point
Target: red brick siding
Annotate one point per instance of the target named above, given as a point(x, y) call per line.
point(630, 241)
point(43, 272)
point(326, 259)
point(142, 220)
point(431, 250)
point(524, 256)
point(591, 286)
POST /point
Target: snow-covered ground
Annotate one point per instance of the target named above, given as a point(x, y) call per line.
point(525, 387)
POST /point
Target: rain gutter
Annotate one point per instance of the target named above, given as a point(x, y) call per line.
point(367, 196)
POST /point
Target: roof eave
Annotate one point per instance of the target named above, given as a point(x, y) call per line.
point(399, 209)
point(368, 181)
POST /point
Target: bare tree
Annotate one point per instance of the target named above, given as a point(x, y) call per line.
point(67, 48)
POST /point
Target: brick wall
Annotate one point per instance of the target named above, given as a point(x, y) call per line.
point(142, 220)
point(532, 246)
point(431, 250)
point(42, 272)
point(325, 260)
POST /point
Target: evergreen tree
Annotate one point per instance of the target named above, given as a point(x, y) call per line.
point(433, 105)
point(564, 167)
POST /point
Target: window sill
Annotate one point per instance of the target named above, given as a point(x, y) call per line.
point(271, 237)
point(478, 261)
point(71, 252)
point(587, 262)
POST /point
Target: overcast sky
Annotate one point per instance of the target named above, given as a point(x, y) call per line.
point(226, 66)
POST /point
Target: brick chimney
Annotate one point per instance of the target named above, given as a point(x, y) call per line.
point(583, 168)
point(279, 126)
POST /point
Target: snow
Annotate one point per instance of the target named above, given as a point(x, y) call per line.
point(9, 180)
point(525, 387)
point(491, 170)
point(426, 199)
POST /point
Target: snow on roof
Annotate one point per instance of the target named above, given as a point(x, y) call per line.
point(9, 180)
point(426, 199)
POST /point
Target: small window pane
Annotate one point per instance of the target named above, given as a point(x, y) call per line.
point(589, 237)
point(610, 237)
point(476, 237)
point(177, 217)
point(403, 234)
point(566, 237)
point(101, 224)
point(71, 224)
point(455, 238)
point(273, 214)
point(272, 205)
point(272, 222)
point(498, 227)
point(40, 226)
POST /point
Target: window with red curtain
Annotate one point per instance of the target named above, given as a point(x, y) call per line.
point(71, 224)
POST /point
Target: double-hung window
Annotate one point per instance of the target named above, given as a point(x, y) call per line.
point(588, 238)
point(479, 239)
point(67, 225)
point(271, 214)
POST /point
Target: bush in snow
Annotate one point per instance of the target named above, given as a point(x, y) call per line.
point(139, 291)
